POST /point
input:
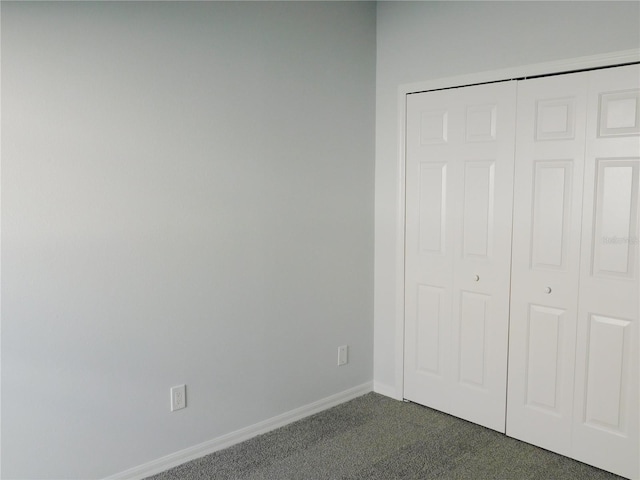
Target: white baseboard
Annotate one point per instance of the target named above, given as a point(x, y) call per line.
point(164, 463)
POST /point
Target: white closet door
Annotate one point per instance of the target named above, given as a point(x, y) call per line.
point(432, 126)
point(459, 192)
point(574, 332)
point(606, 421)
point(546, 257)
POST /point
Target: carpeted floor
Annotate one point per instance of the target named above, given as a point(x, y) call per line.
point(376, 438)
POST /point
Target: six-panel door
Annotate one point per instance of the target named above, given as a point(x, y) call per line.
point(607, 401)
point(458, 241)
point(573, 346)
point(547, 217)
point(573, 383)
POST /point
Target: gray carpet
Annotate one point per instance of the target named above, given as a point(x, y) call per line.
point(374, 438)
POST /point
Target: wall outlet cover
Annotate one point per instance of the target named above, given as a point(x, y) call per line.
point(343, 355)
point(178, 397)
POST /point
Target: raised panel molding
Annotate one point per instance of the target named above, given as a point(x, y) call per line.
point(481, 123)
point(616, 213)
point(433, 127)
point(433, 197)
point(472, 331)
point(555, 119)
point(607, 364)
point(428, 319)
point(545, 327)
point(619, 113)
point(551, 213)
point(478, 215)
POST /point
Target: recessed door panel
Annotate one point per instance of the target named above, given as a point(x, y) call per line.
point(472, 335)
point(433, 127)
point(433, 206)
point(544, 357)
point(607, 366)
point(619, 113)
point(615, 212)
point(551, 213)
point(481, 123)
point(478, 215)
point(555, 119)
point(429, 317)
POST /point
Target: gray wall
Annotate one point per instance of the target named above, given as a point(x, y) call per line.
point(187, 197)
point(418, 41)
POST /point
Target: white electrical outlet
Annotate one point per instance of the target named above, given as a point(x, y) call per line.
point(178, 397)
point(343, 355)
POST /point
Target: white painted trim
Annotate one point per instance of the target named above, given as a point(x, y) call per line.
point(172, 460)
point(0, 277)
point(400, 226)
point(524, 71)
point(385, 389)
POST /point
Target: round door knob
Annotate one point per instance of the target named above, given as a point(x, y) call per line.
point(476, 277)
point(547, 290)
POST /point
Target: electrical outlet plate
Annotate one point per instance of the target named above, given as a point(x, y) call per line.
point(178, 397)
point(343, 355)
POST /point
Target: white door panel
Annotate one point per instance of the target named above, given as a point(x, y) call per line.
point(546, 246)
point(429, 276)
point(458, 224)
point(538, 261)
point(482, 255)
point(607, 401)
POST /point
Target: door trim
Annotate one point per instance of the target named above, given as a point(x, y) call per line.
point(522, 72)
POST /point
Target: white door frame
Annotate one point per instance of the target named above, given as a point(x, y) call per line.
point(562, 66)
